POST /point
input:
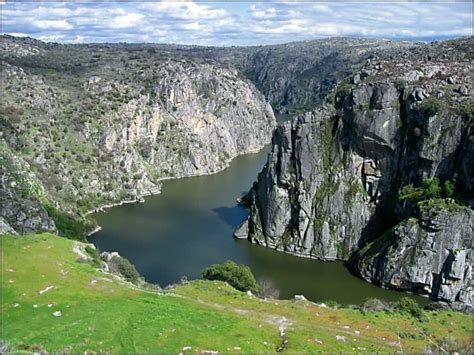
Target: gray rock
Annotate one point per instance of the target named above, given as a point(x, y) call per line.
point(21, 210)
point(431, 255)
point(5, 228)
point(299, 298)
point(356, 79)
point(463, 90)
point(298, 204)
point(329, 184)
point(242, 231)
point(171, 118)
point(412, 76)
point(107, 256)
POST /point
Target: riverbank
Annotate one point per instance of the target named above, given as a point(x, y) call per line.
point(141, 198)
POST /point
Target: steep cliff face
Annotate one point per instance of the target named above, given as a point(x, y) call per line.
point(431, 254)
point(298, 76)
point(299, 203)
point(99, 125)
point(193, 121)
point(331, 186)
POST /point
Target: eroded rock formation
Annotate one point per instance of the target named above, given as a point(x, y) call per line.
point(331, 186)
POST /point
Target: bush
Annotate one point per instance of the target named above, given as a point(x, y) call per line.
point(400, 84)
point(410, 306)
point(238, 276)
point(430, 106)
point(429, 189)
point(448, 188)
point(93, 252)
point(69, 226)
point(125, 268)
point(95, 255)
point(465, 108)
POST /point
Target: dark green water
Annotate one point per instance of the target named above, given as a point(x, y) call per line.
point(190, 224)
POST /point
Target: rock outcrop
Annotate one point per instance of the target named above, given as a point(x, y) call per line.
point(430, 255)
point(299, 203)
point(332, 182)
point(21, 211)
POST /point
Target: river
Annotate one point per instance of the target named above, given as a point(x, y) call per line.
point(189, 226)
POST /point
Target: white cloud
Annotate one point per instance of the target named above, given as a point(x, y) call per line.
point(184, 10)
point(52, 24)
point(234, 23)
point(126, 21)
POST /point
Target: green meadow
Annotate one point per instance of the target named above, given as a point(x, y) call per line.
point(51, 301)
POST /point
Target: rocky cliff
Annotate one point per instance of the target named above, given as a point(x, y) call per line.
point(332, 184)
point(90, 126)
point(298, 76)
point(96, 124)
point(431, 254)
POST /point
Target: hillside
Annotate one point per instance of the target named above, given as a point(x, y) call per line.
point(86, 126)
point(54, 300)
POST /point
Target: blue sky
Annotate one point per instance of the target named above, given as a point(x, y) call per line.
point(234, 23)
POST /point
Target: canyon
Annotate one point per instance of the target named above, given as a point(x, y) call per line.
point(91, 125)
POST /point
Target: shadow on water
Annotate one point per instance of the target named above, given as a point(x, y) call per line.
point(190, 226)
point(231, 215)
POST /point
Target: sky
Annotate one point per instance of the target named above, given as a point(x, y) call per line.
point(234, 23)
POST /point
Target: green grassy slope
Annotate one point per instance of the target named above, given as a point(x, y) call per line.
point(102, 313)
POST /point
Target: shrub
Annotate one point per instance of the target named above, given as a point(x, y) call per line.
point(431, 188)
point(332, 304)
point(465, 108)
point(430, 106)
point(95, 255)
point(410, 306)
point(409, 192)
point(93, 252)
point(69, 226)
point(400, 84)
point(238, 276)
point(125, 268)
point(448, 188)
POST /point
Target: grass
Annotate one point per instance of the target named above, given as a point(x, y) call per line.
point(102, 313)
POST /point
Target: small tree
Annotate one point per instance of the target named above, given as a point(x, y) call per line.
point(431, 106)
point(448, 188)
point(123, 266)
point(431, 188)
point(400, 84)
point(238, 276)
point(410, 306)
